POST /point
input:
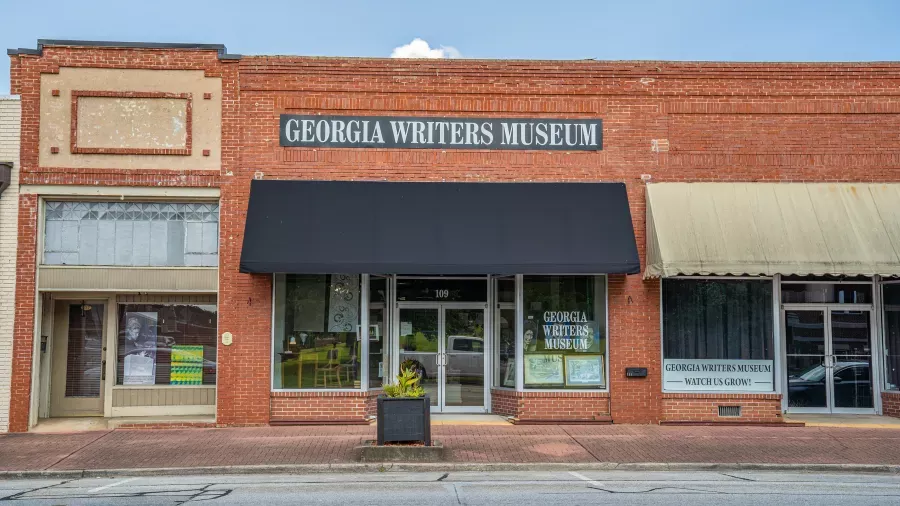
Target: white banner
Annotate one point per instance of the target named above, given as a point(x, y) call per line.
point(719, 375)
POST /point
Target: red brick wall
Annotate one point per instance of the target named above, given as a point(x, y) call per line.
point(724, 122)
point(890, 404)
point(705, 407)
point(322, 406)
point(557, 406)
point(504, 402)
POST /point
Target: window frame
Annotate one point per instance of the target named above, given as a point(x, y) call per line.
point(114, 346)
point(497, 382)
point(109, 194)
point(362, 334)
point(882, 346)
point(520, 337)
point(776, 336)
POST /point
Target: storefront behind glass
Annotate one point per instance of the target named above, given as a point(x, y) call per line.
point(461, 334)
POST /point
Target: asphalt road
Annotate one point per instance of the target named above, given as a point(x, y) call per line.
point(493, 488)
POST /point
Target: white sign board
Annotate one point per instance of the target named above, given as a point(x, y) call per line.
point(719, 375)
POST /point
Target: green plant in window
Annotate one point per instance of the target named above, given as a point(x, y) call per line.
point(407, 384)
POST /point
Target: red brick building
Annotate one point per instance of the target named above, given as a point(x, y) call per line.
point(756, 277)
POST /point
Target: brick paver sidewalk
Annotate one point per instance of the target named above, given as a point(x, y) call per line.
point(120, 449)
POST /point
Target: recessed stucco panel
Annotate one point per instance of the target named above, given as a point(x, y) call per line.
point(56, 117)
point(132, 123)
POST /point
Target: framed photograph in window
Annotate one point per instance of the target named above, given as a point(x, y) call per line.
point(584, 370)
point(544, 369)
point(509, 379)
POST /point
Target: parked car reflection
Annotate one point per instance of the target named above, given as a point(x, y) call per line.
point(465, 359)
point(852, 386)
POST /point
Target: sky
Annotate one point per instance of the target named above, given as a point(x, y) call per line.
point(736, 30)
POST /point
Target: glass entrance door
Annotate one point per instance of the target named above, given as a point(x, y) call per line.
point(463, 359)
point(78, 364)
point(851, 361)
point(446, 343)
point(829, 360)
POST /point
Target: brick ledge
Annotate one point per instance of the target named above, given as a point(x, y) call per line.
point(727, 396)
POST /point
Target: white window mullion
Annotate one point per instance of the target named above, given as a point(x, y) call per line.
point(520, 319)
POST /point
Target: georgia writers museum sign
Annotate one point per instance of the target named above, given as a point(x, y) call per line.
point(441, 133)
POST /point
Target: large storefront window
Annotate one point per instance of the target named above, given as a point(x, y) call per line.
point(892, 335)
point(564, 332)
point(718, 335)
point(316, 341)
point(166, 344)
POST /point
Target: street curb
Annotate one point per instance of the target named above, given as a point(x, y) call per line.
point(445, 467)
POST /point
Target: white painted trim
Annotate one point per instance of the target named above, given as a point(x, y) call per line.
point(606, 356)
point(520, 334)
point(877, 373)
point(362, 332)
point(271, 337)
point(317, 390)
point(206, 409)
point(35, 393)
point(831, 306)
point(84, 191)
point(111, 343)
point(45, 363)
point(826, 282)
point(777, 343)
point(160, 387)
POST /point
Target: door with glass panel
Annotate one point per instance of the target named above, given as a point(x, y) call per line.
point(446, 344)
point(78, 362)
point(829, 359)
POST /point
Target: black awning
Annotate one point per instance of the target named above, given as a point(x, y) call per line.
point(319, 227)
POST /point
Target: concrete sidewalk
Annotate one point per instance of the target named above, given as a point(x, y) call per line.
point(468, 444)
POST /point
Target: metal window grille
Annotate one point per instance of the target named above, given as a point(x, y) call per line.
point(730, 411)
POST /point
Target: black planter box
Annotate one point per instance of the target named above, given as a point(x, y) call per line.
point(404, 420)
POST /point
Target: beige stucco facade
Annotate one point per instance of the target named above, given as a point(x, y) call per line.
point(141, 109)
point(10, 114)
point(146, 122)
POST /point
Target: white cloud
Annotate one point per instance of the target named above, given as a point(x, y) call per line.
point(419, 48)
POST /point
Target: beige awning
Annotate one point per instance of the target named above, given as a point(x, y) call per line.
point(773, 228)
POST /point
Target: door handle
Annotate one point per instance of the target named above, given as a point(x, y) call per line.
point(103, 370)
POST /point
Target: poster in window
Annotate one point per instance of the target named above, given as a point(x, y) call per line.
point(509, 379)
point(343, 303)
point(544, 369)
point(187, 365)
point(139, 348)
point(584, 370)
point(307, 298)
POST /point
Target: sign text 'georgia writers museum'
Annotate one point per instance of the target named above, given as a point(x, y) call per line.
point(441, 133)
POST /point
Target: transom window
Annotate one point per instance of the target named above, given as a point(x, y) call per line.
point(140, 234)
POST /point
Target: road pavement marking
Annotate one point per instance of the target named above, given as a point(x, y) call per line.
point(585, 478)
point(99, 489)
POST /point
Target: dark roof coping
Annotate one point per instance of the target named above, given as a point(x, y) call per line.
point(219, 48)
